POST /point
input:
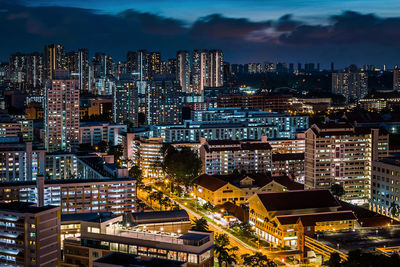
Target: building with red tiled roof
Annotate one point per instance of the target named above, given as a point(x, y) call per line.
point(284, 218)
point(237, 189)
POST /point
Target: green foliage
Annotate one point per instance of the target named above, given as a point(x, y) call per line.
point(117, 151)
point(102, 146)
point(200, 224)
point(182, 165)
point(257, 260)
point(223, 252)
point(337, 190)
point(394, 209)
point(334, 260)
point(136, 172)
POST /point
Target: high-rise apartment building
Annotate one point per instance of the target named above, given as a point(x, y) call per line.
point(163, 104)
point(78, 65)
point(17, 69)
point(208, 69)
point(396, 78)
point(53, 59)
point(34, 73)
point(183, 70)
point(30, 235)
point(61, 107)
point(126, 101)
point(102, 65)
point(155, 64)
point(352, 84)
point(343, 154)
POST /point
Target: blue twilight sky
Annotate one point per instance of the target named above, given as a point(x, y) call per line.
point(343, 31)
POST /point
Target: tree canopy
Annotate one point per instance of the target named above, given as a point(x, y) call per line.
point(181, 165)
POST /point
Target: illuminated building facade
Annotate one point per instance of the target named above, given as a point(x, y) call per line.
point(30, 235)
point(385, 185)
point(112, 234)
point(225, 156)
point(183, 70)
point(61, 107)
point(342, 153)
point(207, 69)
point(117, 195)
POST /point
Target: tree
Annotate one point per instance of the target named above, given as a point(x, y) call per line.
point(136, 172)
point(394, 209)
point(200, 224)
point(257, 260)
point(334, 260)
point(102, 146)
point(182, 165)
point(117, 151)
point(223, 251)
point(337, 190)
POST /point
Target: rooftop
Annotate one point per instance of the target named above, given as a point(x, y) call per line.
point(312, 219)
point(88, 217)
point(159, 217)
point(24, 207)
point(297, 200)
point(129, 260)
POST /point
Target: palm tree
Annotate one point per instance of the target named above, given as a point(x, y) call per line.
point(223, 252)
point(257, 260)
point(394, 209)
point(200, 224)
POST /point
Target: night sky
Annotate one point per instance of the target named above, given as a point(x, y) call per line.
point(343, 31)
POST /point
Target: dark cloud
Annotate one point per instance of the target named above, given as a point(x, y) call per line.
point(346, 38)
point(349, 28)
point(216, 26)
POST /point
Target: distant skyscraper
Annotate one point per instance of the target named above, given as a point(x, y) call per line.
point(183, 70)
point(126, 100)
point(132, 62)
point(78, 65)
point(163, 104)
point(396, 78)
point(102, 65)
point(172, 66)
point(61, 107)
point(17, 69)
point(352, 84)
point(53, 59)
point(208, 69)
point(155, 64)
point(34, 73)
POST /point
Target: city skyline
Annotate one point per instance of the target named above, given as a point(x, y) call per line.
point(365, 35)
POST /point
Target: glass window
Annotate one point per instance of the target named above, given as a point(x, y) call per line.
point(123, 248)
point(171, 255)
point(132, 249)
point(192, 258)
point(113, 246)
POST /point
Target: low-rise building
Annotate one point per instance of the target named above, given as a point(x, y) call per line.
point(225, 156)
point(284, 218)
point(30, 235)
point(117, 259)
point(100, 237)
point(237, 189)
